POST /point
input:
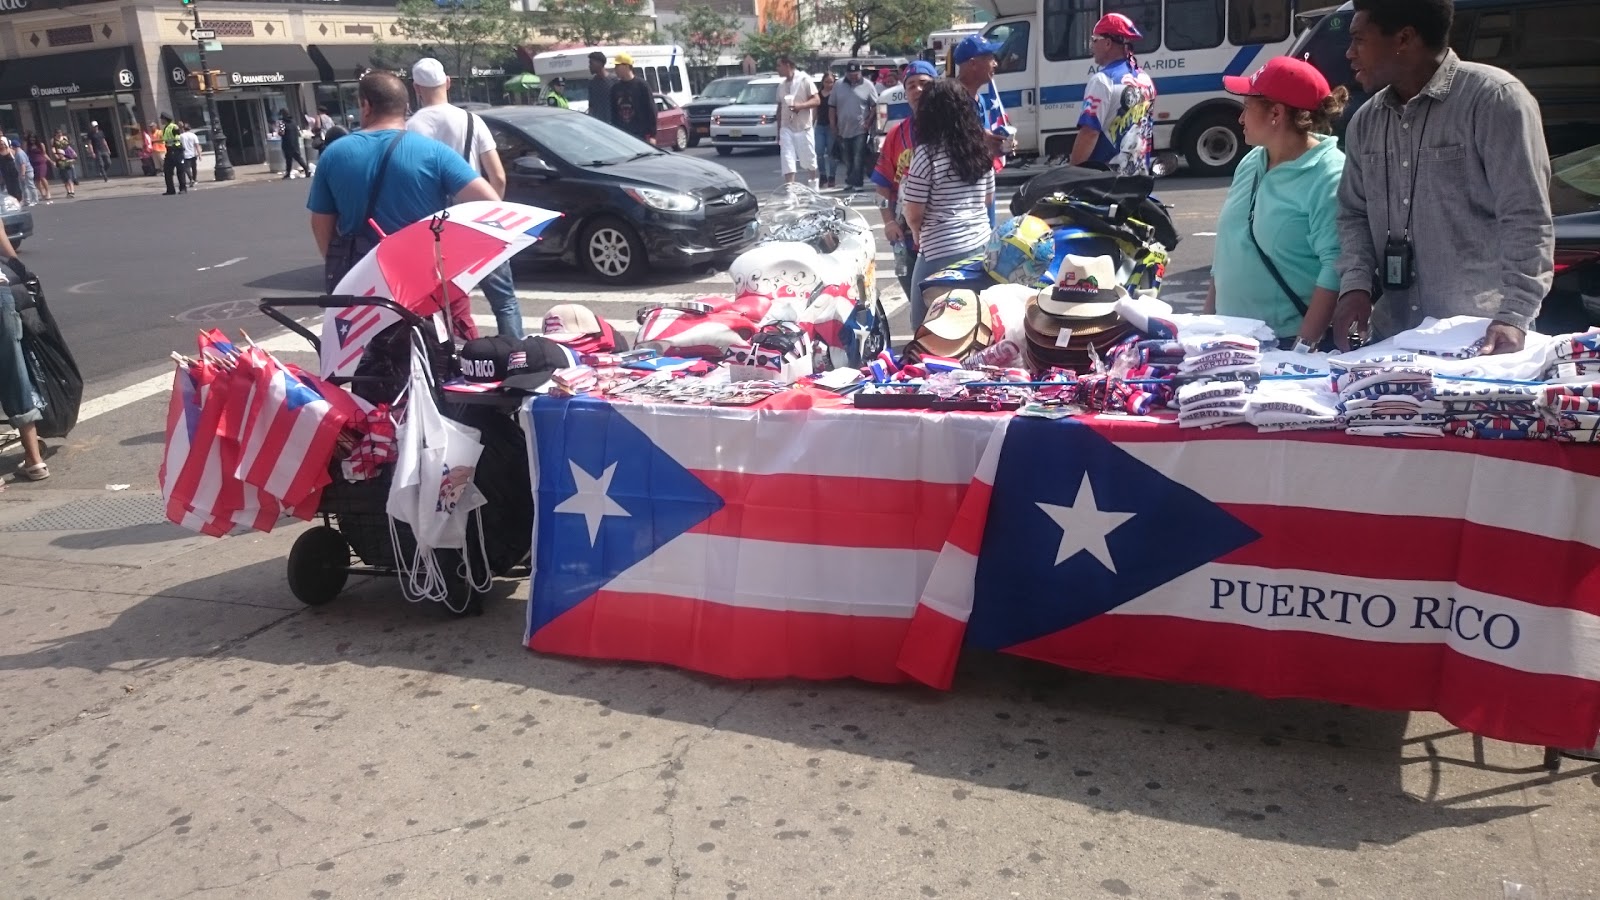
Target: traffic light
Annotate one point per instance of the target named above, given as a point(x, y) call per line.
point(188, 2)
point(219, 81)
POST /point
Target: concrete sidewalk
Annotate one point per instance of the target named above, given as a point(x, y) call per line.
point(175, 722)
point(155, 185)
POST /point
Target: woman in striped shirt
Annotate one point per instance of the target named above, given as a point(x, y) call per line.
point(949, 187)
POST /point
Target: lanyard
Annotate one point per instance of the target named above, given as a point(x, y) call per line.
point(1388, 172)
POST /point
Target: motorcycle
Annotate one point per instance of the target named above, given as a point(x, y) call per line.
point(815, 266)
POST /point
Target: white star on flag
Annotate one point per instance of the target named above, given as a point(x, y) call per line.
point(1084, 526)
point(592, 500)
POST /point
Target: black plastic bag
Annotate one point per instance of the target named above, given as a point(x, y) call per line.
point(55, 373)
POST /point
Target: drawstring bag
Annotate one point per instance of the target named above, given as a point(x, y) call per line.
point(51, 367)
point(433, 491)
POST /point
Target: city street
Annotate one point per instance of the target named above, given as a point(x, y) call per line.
point(173, 722)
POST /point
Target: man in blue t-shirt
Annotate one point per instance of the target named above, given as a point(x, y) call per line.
point(1117, 126)
point(421, 178)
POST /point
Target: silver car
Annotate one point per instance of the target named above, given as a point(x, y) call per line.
point(752, 119)
point(18, 220)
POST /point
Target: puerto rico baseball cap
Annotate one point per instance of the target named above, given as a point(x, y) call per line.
point(973, 46)
point(512, 364)
point(428, 73)
point(1284, 79)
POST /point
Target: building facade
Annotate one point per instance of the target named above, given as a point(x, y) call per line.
point(65, 64)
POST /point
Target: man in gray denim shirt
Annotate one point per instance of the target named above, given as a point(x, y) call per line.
point(1445, 168)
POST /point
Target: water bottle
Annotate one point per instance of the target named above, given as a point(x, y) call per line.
point(902, 264)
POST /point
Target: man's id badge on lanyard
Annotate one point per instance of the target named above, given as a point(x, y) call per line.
point(1397, 263)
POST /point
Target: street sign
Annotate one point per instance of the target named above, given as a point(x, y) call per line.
point(204, 34)
point(213, 46)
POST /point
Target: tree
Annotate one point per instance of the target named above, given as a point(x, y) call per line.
point(704, 33)
point(459, 33)
point(778, 40)
point(901, 23)
point(593, 22)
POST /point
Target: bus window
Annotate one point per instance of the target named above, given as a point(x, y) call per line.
point(1066, 28)
point(1195, 24)
point(654, 79)
point(1013, 55)
point(1258, 21)
point(1146, 16)
point(677, 79)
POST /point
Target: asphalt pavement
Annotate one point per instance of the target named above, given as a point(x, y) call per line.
point(173, 722)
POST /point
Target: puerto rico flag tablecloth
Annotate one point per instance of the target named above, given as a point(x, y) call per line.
point(746, 543)
point(1447, 575)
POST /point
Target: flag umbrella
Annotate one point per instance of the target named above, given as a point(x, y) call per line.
point(428, 267)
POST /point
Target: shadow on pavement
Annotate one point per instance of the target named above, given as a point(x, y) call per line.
point(307, 280)
point(1298, 772)
point(140, 440)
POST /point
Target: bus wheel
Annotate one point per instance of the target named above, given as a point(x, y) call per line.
point(1214, 144)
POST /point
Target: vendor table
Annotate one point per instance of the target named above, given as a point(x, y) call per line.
point(806, 538)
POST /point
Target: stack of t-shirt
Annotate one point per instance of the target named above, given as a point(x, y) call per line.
point(1458, 337)
point(1388, 396)
point(1499, 410)
point(1228, 357)
point(1576, 358)
point(1293, 404)
point(1574, 409)
point(1205, 404)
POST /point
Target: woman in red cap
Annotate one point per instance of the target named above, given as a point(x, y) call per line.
point(1277, 234)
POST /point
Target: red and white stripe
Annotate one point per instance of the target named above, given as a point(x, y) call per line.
point(1414, 536)
point(285, 452)
point(833, 521)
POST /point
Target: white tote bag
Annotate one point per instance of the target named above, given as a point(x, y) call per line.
point(433, 490)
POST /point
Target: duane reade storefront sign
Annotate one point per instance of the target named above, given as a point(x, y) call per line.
point(10, 6)
point(241, 79)
point(58, 90)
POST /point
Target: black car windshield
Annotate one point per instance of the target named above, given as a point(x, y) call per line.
point(759, 94)
point(724, 88)
point(583, 141)
point(1575, 181)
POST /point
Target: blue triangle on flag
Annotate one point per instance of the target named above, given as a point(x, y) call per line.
point(662, 500)
point(1162, 530)
point(341, 327)
point(296, 394)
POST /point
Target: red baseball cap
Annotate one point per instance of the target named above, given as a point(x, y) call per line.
point(1284, 79)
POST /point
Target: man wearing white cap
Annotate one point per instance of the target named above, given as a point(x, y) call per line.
point(100, 150)
point(465, 133)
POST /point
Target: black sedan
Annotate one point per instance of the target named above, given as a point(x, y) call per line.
point(626, 206)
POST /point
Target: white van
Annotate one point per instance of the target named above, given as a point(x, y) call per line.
point(662, 66)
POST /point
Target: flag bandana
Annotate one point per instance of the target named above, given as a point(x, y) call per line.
point(1417, 577)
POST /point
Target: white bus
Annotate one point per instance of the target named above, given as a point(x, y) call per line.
point(1188, 46)
point(941, 42)
point(661, 65)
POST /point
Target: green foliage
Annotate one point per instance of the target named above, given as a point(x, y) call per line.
point(594, 22)
point(895, 24)
point(778, 40)
point(704, 33)
point(460, 36)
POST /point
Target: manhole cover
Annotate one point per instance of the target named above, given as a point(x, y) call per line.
point(222, 312)
point(96, 514)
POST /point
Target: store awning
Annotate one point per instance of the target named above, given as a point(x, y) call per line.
point(245, 65)
point(87, 73)
point(347, 62)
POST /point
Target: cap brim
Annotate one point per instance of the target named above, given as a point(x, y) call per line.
point(1239, 85)
point(526, 383)
point(566, 337)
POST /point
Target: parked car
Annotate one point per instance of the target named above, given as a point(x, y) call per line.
point(720, 92)
point(672, 124)
point(751, 120)
point(1574, 300)
point(1553, 46)
point(18, 220)
point(626, 206)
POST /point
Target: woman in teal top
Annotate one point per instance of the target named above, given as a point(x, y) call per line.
point(1277, 234)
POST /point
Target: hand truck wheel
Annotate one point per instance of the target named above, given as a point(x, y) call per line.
point(319, 565)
